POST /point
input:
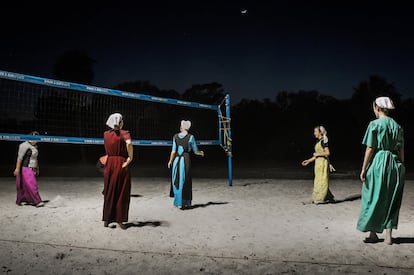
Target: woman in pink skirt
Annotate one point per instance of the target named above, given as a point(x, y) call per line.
point(27, 168)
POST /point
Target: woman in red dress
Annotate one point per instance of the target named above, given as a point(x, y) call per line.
point(117, 177)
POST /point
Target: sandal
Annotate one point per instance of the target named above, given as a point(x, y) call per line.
point(371, 240)
point(122, 226)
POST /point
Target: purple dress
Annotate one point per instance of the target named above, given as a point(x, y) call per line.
point(26, 183)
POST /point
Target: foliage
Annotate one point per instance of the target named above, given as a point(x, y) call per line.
point(74, 66)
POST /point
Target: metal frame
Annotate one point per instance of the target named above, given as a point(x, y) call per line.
point(223, 132)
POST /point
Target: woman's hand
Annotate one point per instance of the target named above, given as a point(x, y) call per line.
point(307, 161)
point(369, 152)
point(16, 172)
point(200, 153)
point(362, 176)
point(170, 161)
point(127, 162)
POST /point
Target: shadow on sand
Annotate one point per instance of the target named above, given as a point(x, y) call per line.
point(349, 198)
point(146, 223)
point(399, 240)
point(402, 240)
point(203, 205)
point(136, 196)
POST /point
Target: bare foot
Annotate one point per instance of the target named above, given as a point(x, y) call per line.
point(388, 236)
point(388, 241)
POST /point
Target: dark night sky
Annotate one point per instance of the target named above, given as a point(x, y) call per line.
point(290, 45)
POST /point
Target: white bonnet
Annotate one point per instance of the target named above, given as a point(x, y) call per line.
point(384, 102)
point(185, 124)
point(114, 120)
point(324, 134)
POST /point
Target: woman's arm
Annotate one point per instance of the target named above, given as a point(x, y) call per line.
point(130, 150)
point(326, 153)
point(172, 156)
point(369, 152)
point(402, 154)
point(307, 161)
point(18, 167)
point(20, 155)
point(194, 146)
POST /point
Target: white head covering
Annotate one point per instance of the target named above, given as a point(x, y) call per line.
point(324, 133)
point(34, 133)
point(185, 124)
point(384, 102)
point(114, 120)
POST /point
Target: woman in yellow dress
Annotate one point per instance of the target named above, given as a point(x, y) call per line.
point(321, 192)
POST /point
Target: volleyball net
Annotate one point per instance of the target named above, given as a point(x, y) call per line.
point(67, 112)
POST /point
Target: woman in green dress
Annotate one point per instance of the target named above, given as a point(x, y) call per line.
point(382, 174)
point(321, 193)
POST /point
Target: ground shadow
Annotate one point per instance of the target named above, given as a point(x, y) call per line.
point(256, 182)
point(203, 205)
point(142, 224)
point(132, 195)
point(399, 240)
point(402, 240)
point(349, 198)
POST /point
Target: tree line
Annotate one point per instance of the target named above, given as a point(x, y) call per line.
point(279, 128)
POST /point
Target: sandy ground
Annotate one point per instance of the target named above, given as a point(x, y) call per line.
point(258, 226)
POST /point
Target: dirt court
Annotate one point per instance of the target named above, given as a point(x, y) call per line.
point(258, 226)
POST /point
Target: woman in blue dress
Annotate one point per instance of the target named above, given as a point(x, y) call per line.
point(180, 161)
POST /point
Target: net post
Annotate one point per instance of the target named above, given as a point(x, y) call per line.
point(229, 156)
point(220, 125)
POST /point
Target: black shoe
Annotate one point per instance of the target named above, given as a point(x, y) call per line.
point(122, 226)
